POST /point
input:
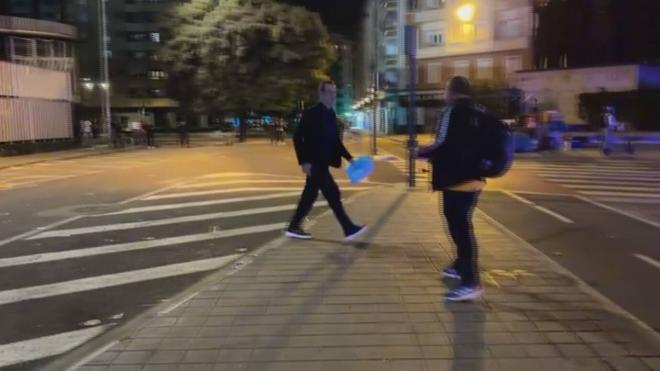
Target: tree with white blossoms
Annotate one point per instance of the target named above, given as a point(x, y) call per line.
point(241, 56)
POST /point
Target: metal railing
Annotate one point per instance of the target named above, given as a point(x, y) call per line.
point(38, 27)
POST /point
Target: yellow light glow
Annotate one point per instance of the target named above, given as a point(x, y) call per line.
point(466, 12)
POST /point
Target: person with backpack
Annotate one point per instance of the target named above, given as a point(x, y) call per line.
point(470, 145)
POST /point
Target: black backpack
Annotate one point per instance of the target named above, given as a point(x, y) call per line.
point(496, 146)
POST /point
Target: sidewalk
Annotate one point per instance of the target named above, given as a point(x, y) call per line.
point(21, 160)
point(377, 305)
point(162, 142)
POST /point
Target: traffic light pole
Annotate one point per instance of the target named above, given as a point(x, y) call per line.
point(411, 54)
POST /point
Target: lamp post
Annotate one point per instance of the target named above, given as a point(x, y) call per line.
point(104, 75)
point(376, 115)
point(411, 54)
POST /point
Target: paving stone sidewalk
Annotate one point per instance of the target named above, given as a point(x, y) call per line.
point(377, 305)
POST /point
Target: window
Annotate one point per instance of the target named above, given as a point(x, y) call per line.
point(433, 38)
point(156, 93)
point(139, 17)
point(137, 36)
point(462, 68)
point(509, 24)
point(44, 48)
point(155, 37)
point(432, 4)
point(512, 63)
point(434, 73)
point(157, 75)
point(391, 47)
point(138, 54)
point(485, 68)
point(22, 47)
point(391, 77)
point(391, 18)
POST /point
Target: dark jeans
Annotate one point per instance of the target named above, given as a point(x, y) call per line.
point(458, 209)
point(321, 179)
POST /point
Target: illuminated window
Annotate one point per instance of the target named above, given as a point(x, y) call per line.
point(485, 68)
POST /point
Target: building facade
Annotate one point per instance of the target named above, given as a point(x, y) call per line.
point(559, 89)
point(380, 66)
point(486, 41)
point(37, 71)
point(342, 74)
point(137, 79)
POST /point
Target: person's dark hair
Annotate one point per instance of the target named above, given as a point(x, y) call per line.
point(324, 83)
point(460, 85)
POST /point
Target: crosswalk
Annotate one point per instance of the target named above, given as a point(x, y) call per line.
point(422, 168)
point(610, 181)
point(63, 286)
point(23, 176)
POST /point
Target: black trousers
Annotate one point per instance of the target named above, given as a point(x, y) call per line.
point(321, 179)
point(458, 209)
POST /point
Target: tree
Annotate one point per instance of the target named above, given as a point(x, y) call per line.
point(240, 56)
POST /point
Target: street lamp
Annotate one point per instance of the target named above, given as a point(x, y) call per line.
point(411, 54)
point(465, 12)
point(105, 78)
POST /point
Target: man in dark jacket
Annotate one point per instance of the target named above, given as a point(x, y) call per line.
point(318, 146)
point(456, 172)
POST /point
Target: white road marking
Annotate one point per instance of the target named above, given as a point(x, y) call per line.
point(620, 194)
point(629, 200)
point(166, 221)
point(519, 198)
point(178, 304)
point(621, 212)
point(579, 167)
point(613, 188)
point(47, 346)
point(112, 280)
point(597, 172)
point(538, 207)
point(618, 181)
point(235, 190)
point(38, 230)
point(201, 203)
point(647, 259)
point(139, 245)
point(554, 214)
point(561, 175)
point(247, 181)
point(229, 175)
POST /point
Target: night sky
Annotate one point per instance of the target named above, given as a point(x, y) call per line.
point(340, 16)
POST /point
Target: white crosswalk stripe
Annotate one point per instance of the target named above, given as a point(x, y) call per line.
point(628, 182)
point(67, 254)
point(422, 168)
point(47, 346)
point(111, 280)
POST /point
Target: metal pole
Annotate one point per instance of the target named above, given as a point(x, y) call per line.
point(376, 113)
point(105, 78)
point(374, 66)
point(411, 53)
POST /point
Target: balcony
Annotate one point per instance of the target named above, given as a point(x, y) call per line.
point(36, 27)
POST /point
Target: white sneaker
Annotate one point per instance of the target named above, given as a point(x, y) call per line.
point(465, 293)
point(354, 235)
